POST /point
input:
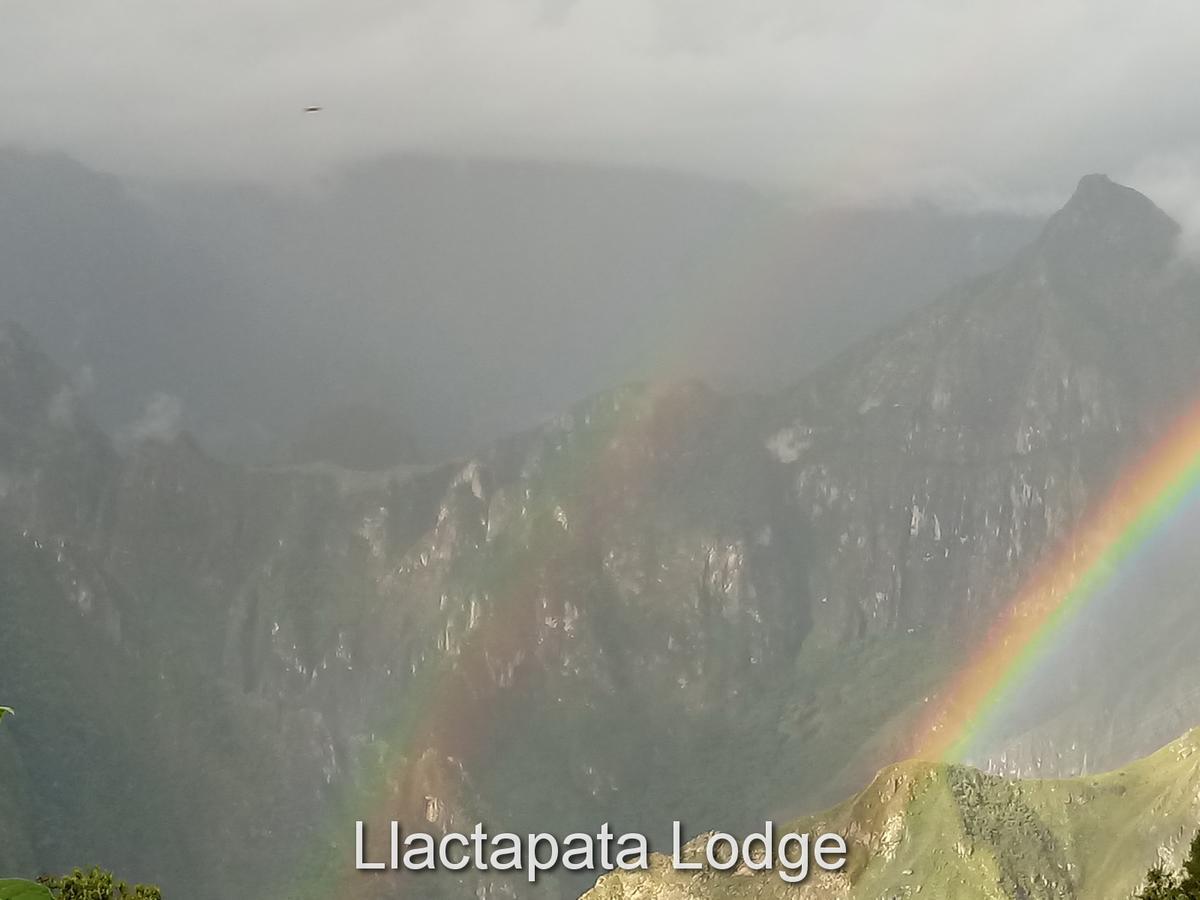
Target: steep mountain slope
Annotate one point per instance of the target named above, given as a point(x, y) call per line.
point(975, 432)
point(938, 465)
point(666, 603)
point(943, 830)
point(400, 642)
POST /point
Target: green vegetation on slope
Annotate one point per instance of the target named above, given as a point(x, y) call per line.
point(951, 831)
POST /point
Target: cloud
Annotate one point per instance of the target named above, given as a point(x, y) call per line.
point(162, 420)
point(1172, 180)
point(61, 409)
point(993, 104)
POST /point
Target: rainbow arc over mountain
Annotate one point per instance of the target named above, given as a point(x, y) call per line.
point(1142, 503)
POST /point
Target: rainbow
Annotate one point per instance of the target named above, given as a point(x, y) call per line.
point(1141, 504)
point(440, 713)
point(456, 714)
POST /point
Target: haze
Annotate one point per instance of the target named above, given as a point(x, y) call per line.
point(504, 206)
point(980, 104)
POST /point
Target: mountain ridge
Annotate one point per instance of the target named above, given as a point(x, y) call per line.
point(957, 832)
point(584, 621)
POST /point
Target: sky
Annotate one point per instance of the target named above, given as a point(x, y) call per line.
point(439, 242)
point(972, 104)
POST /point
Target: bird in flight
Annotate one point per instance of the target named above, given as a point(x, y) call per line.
point(312, 109)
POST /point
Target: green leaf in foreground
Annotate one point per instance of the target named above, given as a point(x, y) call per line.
point(19, 889)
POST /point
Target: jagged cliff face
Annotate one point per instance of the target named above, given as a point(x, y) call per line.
point(935, 460)
point(533, 636)
point(665, 604)
point(938, 465)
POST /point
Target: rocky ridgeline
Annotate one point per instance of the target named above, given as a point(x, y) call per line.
point(665, 604)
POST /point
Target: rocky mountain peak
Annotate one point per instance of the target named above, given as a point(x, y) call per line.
point(1106, 231)
point(1100, 203)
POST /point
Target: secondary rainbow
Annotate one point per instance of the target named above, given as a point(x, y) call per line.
point(1142, 502)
